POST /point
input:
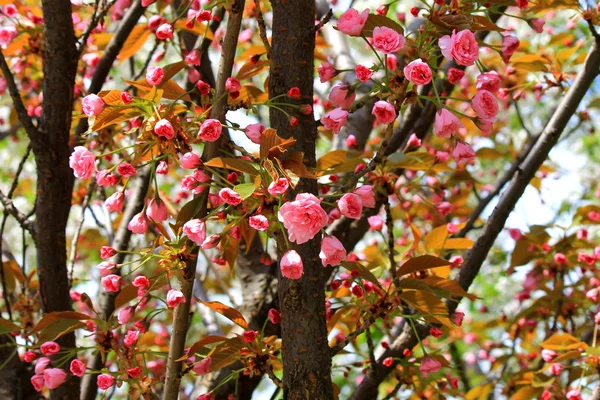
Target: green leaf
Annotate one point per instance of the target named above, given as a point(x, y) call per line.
point(245, 190)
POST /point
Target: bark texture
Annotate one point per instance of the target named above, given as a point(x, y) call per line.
point(305, 351)
point(55, 177)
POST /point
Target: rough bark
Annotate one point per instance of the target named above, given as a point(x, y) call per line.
point(494, 225)
point(305, 352)
point(55, 177)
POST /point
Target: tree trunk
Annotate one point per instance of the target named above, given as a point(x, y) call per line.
point(305, 351)
point(55, 177)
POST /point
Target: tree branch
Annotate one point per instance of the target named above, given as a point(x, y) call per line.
point(21, 218)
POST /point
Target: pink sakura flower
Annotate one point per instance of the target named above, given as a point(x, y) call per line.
point(367, 196)
point(254, 131)
point(446, 124)
point(41, 365)
point(83, 163)
point(341, 96)
point(141, 282)
point(126, 170)
point(163, 128)
point(131, 338)
point(210, 130)
point(418, 72)
point(429, 365)
point(335, 119)
point(274, 316)
point(455, 75)
point(537, 24)
point(510, 44)
point(332, 251)
point(291, 265)
point(105, 381)
point(232, 85)
point(457, 318)
point(375, 223)
point(549, 355)
point(195, 230)
point(29, 356)
point(303, 218)
point(463, 154)
point(54, 377)
point(138, 224)
point(111, 283)
point(489, 81)
point(92, 105)
point(174, 297)
point(350, 205)
point(190, 160)
point(363, 73)
point(164, 32)
point(105, 179)
point(157, 210)
point(326, 72)
point(155, 76)
point(485, 105)
point(10, 10)
point(461, 47)
point(193, 58)
point(7, 35)
point(202, 367)
point(77, 368)
point(194, 182)
point(49, 348)
point(125, 314)
point(230, 196)
point(38, 382)
point(259, 222)
point(114, 203)
point(387, 40)
point(351, 22)
point(278, 187)
point(384, 112)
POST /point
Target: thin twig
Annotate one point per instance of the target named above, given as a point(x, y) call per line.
point(389, 223)
point(74, 242)
point(96, 17)
point(21, 218)
point(324, 20)
point(262, 28)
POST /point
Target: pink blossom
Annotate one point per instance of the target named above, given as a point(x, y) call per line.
point(375, 222)
point(138, 224)
point(41, 365)
point(537, 24)
point(7, 35)
point(367, 196)
point(49, 348)
point(126, 170)
point(232, 85)
point(131, 338)
point(29, 356)
point(114, 203)
point(387, 40)
point(157, 210)
point(413, 142)
point(332, 251)
point(341, 96)
point(210, 130)
point(384, 112)
point(212, 241)
point(291, 265)
point(350, 205)
point(549, 355)
point(230, 196)
point(326, 72)
point(457, 318)
point(485, 105)
point(193, 58)
point(556, 369)
point(351, 22)
point(462, 47)
point(77, 368)
point(303, 218)
point(155, 76)
point(125, 314)
point(92, 105)
point(278, 187)
point(274, 316)
point(418, 72)
point(455, 75)
point(105, 179)
point(363, 73)
point(190, 160)
point(174, 297)
point(194, 182)
point(111, 283)
point(10, 10)
point(38, 382)
point(335, 119)
point(54, 377)
point(253, 132)
point(489, 81)
point(259, 222)
point(105, 381)
point(446, 124)
point(195, 230)
point(203, 367)
point(510, 44)
point(164, 129)
point(573, 394)
point(164, 32)
point(83, 162)
point(429, 365)
point(141, 282)
point(463, 154)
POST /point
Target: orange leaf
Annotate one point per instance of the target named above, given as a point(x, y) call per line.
point(226, 353)
point(226, 311)
point(251, 69)
point(56, 316)
point(210, 339)
point(563, 341)
point(136, 39)
point(421, 263)
point(233, 164)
